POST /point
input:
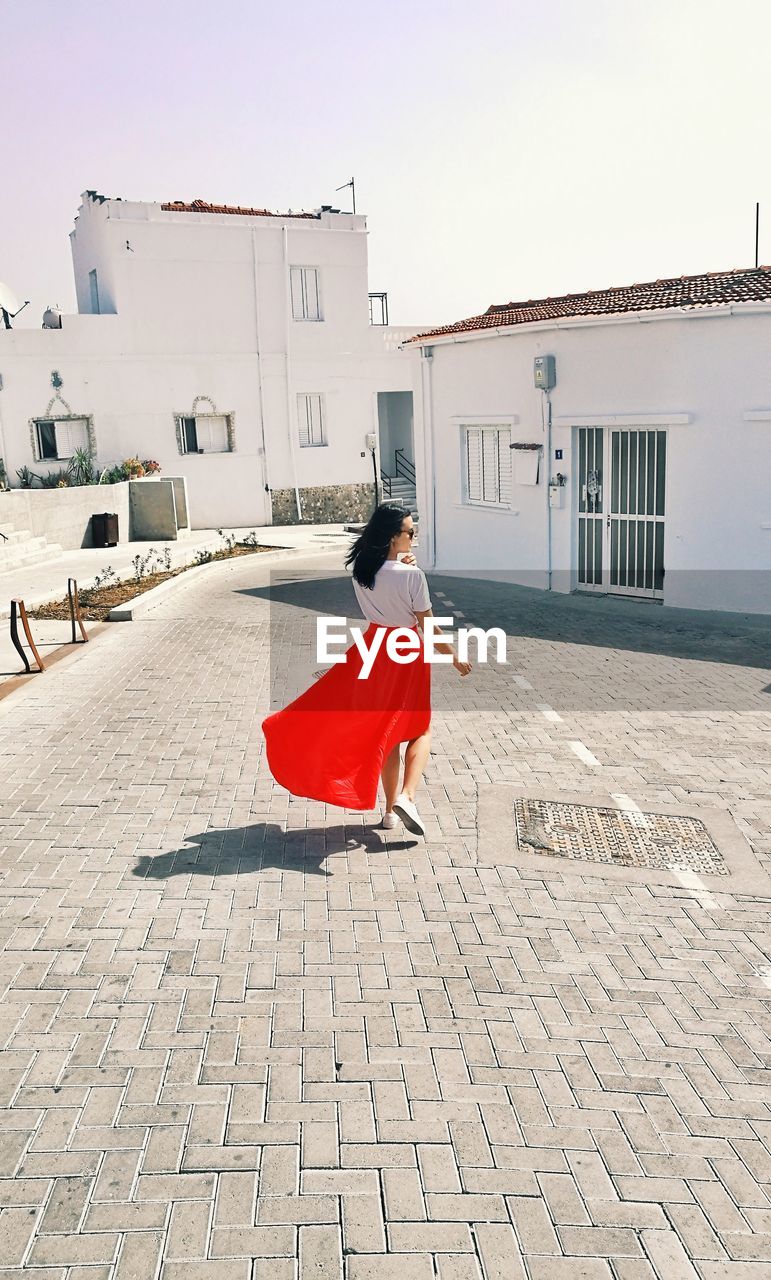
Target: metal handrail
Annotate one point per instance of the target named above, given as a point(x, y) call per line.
point(404, 467)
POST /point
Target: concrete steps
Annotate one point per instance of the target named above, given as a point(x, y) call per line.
point(401, 491)
point(20, 548)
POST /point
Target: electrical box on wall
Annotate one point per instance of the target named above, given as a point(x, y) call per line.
point(545, 372)
point(371, 440)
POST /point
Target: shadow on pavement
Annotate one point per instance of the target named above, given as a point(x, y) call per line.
point(608, 622)
point(262, 847)
point(319, 592)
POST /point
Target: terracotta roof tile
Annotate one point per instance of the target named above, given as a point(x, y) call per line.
point(203, 206)
point(707, 290)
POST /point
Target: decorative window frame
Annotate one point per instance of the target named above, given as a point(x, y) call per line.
point(49, 416)
point(198, 412)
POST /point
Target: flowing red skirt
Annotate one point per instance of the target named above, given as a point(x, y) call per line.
point(331, 742)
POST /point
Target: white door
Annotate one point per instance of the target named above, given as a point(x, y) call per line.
point(621, 496)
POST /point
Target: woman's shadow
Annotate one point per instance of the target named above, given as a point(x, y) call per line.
point(265, 846)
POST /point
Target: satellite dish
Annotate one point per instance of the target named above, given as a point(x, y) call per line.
point(8, 300)
point(9, 305)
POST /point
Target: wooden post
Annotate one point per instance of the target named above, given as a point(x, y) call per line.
point(75, 614)
point(19, 611)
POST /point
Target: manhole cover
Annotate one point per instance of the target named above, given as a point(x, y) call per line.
point(621, 837)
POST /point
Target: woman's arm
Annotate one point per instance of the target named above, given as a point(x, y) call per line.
point(442, 646)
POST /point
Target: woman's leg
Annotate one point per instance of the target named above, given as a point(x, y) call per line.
point(415, 758)
point(389, 775)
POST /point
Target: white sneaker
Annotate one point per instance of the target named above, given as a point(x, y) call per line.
point(404, 808)
point(390, 821)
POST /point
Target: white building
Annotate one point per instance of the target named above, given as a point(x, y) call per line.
point(233, 346)
point(645, 470)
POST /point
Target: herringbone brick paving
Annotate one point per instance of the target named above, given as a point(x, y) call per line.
point(244, 1036)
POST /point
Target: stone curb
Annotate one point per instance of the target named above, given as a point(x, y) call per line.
point(138, 605)
point(34, 599)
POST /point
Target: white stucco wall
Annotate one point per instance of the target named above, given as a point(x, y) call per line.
point(714, 368)
point(200, 306)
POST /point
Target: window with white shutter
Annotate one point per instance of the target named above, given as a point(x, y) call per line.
point(58, 438)
point(310, 420)
point(487, 480)
point(306, 295)
point(204, 433)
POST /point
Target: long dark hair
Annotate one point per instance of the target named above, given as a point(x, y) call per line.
point(370, 550)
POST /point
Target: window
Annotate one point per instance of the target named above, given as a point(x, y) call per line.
point(378, 308)
point(306, 299)
point(57, 438)
point(205, 433)
point(310, 420)
point(93, 285)
point(487, 466)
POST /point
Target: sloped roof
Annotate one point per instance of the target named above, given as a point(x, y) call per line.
point(203, 206)
point(707, 290)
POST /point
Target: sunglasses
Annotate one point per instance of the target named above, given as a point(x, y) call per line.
point(410, 533)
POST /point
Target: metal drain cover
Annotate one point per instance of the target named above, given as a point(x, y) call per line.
point(621, 837)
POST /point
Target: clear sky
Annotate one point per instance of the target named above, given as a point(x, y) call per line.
point(502, 149)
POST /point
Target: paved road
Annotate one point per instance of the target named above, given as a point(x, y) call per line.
point(245, 1037)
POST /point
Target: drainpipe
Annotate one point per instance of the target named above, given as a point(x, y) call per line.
point(548, 492)
point(260, 399)
point(427, 356)
point(289, 404)
point(3, 453)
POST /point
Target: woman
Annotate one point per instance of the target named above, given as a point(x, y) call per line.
point(342, 736)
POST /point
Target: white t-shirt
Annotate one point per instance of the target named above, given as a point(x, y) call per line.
point(398, 591)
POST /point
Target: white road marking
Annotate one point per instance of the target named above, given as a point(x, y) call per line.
point(585, 755)
point(522, 682)
point(690, 880)
point(549, 713)
point(630, 809)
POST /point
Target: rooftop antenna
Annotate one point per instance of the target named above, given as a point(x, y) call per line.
point(757, 229)
point(352, 185)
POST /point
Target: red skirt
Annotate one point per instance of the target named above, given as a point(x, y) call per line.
point(331, 742)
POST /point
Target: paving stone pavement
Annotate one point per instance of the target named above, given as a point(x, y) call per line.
point(244, 1036)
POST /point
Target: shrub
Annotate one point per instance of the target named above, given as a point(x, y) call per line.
point(61, 479)
point(82, 468)
point(130, 469)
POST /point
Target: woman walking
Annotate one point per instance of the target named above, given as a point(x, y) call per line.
point(343, 735)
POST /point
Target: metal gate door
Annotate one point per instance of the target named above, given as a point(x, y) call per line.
point(635, 512)
point(591, 534)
